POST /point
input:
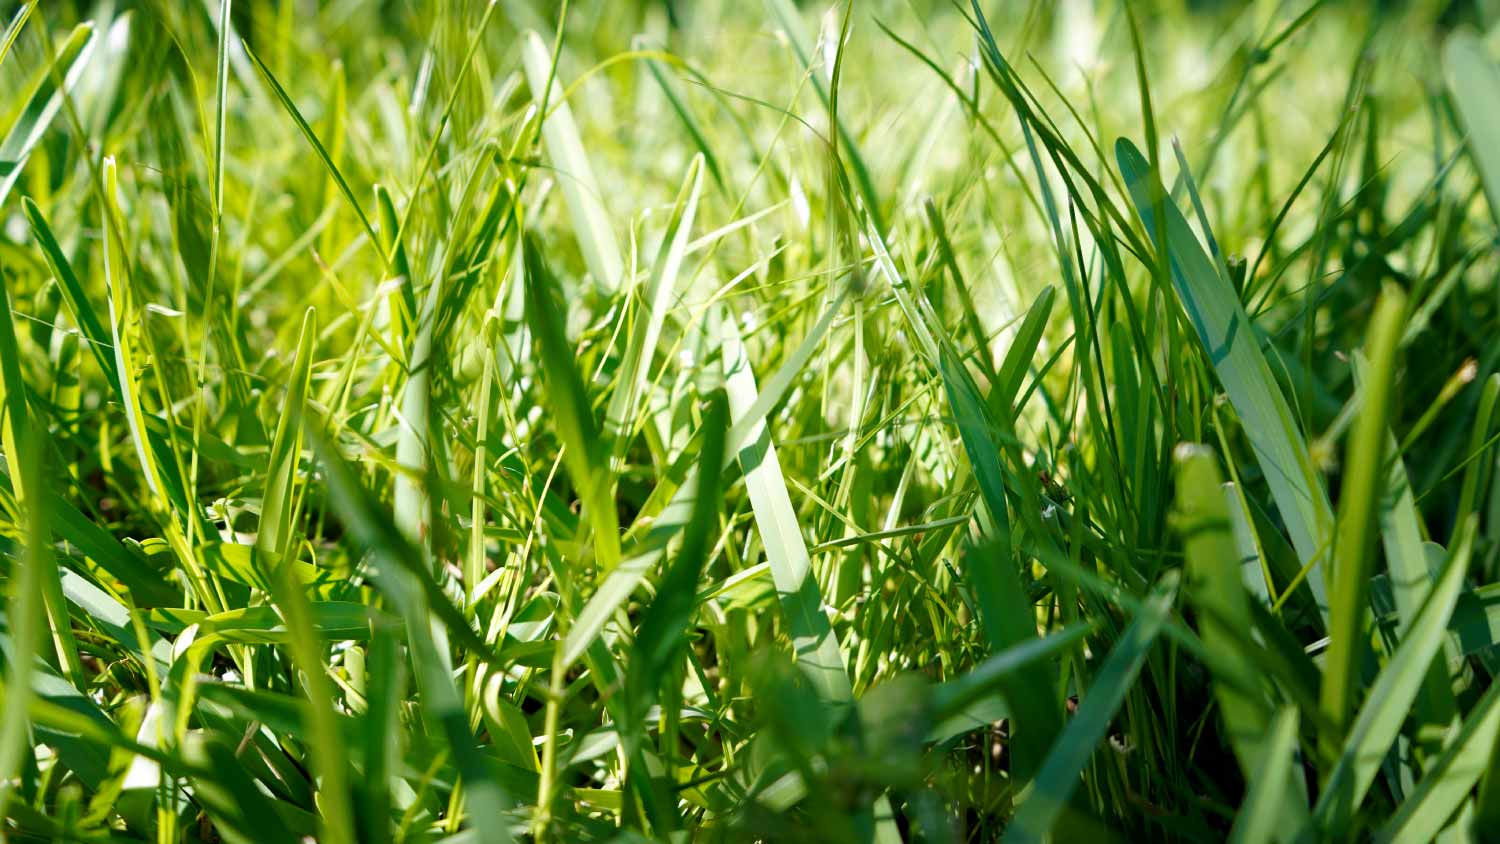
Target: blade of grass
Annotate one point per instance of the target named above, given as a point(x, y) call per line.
point(1229, 342)
point(1474, 85)
point(1359, 503)
point(1390, 698)
point(813, 640)
point(564, 145)
point(1053, 787)
point(18, 432)
point(1263, 815)
point(45, 102)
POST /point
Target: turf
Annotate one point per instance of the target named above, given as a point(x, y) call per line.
point(872, 421)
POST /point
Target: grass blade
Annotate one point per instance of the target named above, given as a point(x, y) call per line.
point(1359, 504)
point(1390, 697)
point(1229, 341)
point(1055, 782)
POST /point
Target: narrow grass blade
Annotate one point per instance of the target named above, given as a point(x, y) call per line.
point(640, 349)
point(574, 418)
point(13, 29)
point(46, 100)
point(394, 572)
point(322, 730)
point(1474, 86)
point(1390, 697)
point(1449, 779)
point(312, 139)
point(1055, 782)
point(1359, 504)
point(18, 433)
point(596, 239)
point(1008, 616)
point(1217, 593)
point(276, 530)
point(1263, 817)
point(1229, 341)
point(813, 639)
point(24, 620)
point(83, 313)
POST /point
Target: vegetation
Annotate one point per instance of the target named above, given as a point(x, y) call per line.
point(873, 421)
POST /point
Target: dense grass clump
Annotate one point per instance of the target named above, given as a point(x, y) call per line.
point(872, 421)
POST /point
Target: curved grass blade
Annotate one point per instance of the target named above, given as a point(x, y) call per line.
point(813, 639)
point(43, 106)
point(1359, 507)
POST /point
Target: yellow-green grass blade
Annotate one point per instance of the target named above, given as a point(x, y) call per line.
point(13, 29)
point(83, 313)
point(285, 100)
point(321, 719)
point(655, 299)
point(24, 620)
point(575, 175)
point(1390, 697)
point(19, 434)
point(45, 102)
point(675, 492)
point(1358, 517)
point(275, 534)
point(813, 640)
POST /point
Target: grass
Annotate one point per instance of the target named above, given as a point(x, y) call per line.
point(897, 420)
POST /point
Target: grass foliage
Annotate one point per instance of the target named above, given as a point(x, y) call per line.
point(876, 421)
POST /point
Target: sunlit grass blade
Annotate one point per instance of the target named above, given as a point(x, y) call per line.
point(575, 175)
point(1474, 85)
point(25, 621)
point(640, 348)
point(276, 515)
point(45, 102)
point(813, 641)
point(312, 139)
point(1229, 341)
point(18, 435)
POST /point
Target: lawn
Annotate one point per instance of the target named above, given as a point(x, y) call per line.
point(835, 421)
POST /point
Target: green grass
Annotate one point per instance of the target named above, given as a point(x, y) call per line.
point(650, 420)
